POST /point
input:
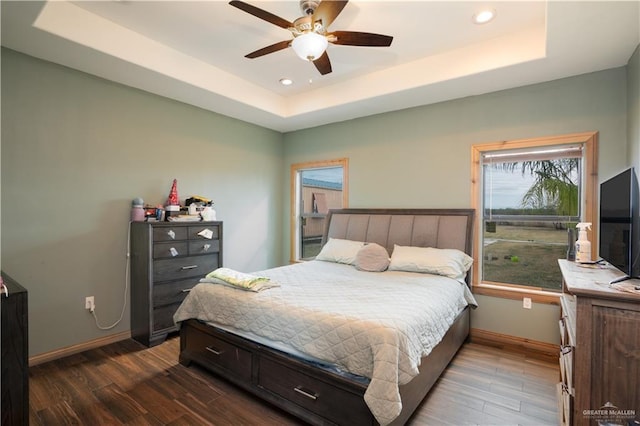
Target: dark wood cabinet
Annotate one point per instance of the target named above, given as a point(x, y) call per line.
point(167, 260)
point(600, 356)
point(15, 354)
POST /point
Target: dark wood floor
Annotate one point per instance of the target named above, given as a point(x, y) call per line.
point(127, 384)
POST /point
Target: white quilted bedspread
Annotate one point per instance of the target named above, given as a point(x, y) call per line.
point(377, 325)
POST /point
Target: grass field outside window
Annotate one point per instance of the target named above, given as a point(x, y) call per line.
point(525, 255)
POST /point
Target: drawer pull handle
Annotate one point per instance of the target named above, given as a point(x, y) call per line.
point(305, 393)
point(184, 268)
point(206, 247)
point(186, 290)
point(213, 351)
point(171, 234)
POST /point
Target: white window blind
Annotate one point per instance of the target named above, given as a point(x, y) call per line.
point(549, 176)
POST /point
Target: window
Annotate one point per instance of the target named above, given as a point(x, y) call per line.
point(316, 188)
point(527, 194)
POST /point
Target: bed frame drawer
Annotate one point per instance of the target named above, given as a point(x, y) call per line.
point(220, 354)
point(333, 403)
point(339, 400)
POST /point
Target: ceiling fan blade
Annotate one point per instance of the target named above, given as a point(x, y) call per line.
point(262, 14)
point(269, 49)
point(328, 10)
point(352, 38)
point(323, 64)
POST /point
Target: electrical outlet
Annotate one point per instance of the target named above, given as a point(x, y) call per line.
point(89, 303)
point(526, 303)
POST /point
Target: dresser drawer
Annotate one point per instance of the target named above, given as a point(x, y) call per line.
point(183, 267)
point(566, 367)
point(169, 233)
point(204, 247)
point(564, 336)
point(170, 249)
point(565, 405)
point(335, 404)
point(173, 291)
point(163, 317)
point(195, 230)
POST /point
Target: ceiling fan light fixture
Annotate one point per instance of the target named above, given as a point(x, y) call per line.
point(309, 46)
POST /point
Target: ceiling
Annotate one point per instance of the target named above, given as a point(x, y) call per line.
point(193, 51)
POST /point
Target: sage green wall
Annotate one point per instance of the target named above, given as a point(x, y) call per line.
point(421, 157)
point(633, 108)
point(77, 149)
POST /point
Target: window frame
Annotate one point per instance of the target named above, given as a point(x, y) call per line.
point(294, 198)
point(588, 207)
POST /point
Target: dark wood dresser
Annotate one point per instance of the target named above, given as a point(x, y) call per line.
point(167, 260)
point(600, 341)
point(14, 407)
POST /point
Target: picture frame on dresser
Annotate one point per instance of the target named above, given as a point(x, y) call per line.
point(167, 260)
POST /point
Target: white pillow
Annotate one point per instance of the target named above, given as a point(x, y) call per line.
point(372, 258)
point(340, 251)
point(451, 263)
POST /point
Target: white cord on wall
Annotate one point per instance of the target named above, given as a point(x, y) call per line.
point(126, 288)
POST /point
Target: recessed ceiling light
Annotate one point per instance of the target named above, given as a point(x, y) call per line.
point(286, 81)
point(484, 16)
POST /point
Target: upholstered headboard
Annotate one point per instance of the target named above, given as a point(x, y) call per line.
point(439, 228)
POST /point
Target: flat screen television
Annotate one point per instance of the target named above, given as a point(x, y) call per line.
point(619, 223)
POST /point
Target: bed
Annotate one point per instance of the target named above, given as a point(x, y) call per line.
point(305, 347)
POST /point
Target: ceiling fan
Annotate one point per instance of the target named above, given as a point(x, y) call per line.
point(310, 35)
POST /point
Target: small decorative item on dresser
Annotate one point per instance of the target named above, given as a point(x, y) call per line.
point(172, 200)
point(137, 212)
point(172, 206)
point(170, 211)
point(208, 214)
